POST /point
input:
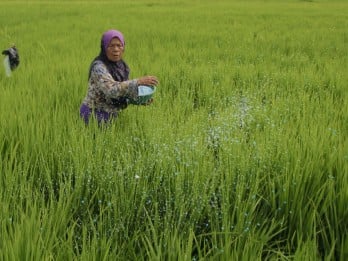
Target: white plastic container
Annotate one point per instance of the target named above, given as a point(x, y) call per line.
point(145, 94)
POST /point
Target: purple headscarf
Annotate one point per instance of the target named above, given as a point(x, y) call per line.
point(108, 35)
point(119, 70)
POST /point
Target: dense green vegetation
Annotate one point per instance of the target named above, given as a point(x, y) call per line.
point(242, 156)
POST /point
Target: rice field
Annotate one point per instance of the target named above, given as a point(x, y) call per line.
point(242, 156)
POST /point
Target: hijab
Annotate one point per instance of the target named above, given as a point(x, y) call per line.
point(119, 70)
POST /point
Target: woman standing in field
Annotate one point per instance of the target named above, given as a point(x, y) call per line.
point(108, 85)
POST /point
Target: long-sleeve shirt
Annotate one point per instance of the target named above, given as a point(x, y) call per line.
point(102, 88)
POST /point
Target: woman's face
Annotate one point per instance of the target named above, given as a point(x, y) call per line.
point(115, 50)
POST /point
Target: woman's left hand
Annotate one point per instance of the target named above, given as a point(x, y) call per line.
point(150, 101)
point(148, 80)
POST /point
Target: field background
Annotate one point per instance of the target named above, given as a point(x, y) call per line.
point(242, 156)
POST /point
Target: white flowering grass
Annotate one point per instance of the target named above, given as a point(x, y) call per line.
point(242, 155)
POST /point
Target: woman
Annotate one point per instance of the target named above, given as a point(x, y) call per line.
point(108, 85)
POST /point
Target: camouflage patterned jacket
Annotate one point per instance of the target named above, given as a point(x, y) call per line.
point(103, 90)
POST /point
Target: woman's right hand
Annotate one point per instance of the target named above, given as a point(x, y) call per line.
point(148, 81)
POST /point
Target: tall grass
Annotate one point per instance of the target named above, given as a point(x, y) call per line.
point(242, 156)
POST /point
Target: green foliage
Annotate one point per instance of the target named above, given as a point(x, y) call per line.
point(242, 156)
